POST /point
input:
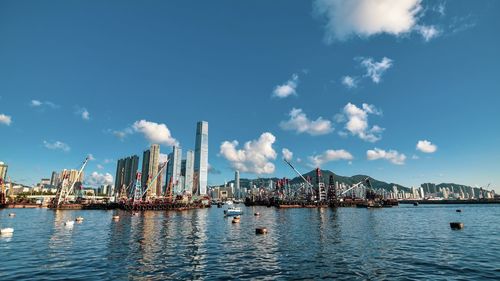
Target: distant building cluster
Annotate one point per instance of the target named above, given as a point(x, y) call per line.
point(180, 176)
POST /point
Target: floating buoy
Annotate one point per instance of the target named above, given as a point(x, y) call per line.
point(6, 230)
point(79, 219)
point(261, 230)
point(12, 215)
point(456, 225)
point(69, 223)
point(257, 214)
point(236, 220)
point(459, 211)
point(116, 218)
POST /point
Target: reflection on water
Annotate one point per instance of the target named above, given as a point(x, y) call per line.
point(346, 244)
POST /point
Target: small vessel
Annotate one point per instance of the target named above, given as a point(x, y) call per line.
point(12, 215)
point(233, 211)
point(7, 230)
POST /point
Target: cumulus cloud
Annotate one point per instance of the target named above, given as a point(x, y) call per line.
point(300, 123)
point(392, 156)
point(97, 179)
point(328, 156)
point(375, 69)
point(5, 119)
point(364, 18)
point(357, 122)
point(287, 89)
point(349, 81)
point(155, 132)
point(254, 157)
point(83, 112)
point(426, 146)
point(287, 154)
point(57, 145)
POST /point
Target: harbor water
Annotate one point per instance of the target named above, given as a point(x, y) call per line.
point(400, 243)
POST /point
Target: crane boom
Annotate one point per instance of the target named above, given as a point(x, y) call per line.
point(62, 193)
point(154, 179)
point(298, 173)
point(354, 186)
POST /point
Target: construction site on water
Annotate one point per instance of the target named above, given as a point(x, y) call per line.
point(134, 197)
point(314, 193)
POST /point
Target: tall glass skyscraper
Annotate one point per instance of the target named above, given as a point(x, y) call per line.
point(174, 170)
point(188, 182)
point(201, 158)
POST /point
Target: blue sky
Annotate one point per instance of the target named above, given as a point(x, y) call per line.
point(108, 77)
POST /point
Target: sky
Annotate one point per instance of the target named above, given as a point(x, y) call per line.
point(405, 91)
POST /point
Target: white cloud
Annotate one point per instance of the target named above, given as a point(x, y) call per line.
point(5, 119)
point(36, 103)
point(91, 157)
point(415, 157)
point(163, 158)
point(328, 156)
point(365, 18)
point(392, 155)
point(287, 89)
point(40, 104)
point(428, 32)
point(374, 69)
point(57, 145)
point(287, 154)
point(301, 124)
point(357, 122)
point(350, 82)
point(254, 157)
point(426, 146)
point(155, 132)
point(97, 179)
point(107, 161)
point(100, 167)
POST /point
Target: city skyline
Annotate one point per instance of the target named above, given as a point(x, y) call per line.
point(406, 102)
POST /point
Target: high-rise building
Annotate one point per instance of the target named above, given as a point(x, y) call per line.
point(145, 168)
point(237, 184)
point(126, 169)
point(174, 170)
point(154, 158)
point(160, 181)
point(3, 171)
point(201, 158)
point(54, 179)
point(189, 172)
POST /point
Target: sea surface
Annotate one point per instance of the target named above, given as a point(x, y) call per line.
point(401, 243)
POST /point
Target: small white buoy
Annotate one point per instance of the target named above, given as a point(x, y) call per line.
point(69, 223)
point(6, 230)
point(12, 215)
point(116, 218)
point(79, 219)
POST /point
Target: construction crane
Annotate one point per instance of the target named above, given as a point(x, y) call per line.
point(308, 184)
point(150, 183)
point(3, 194)
point(63, 191)
point(356, 185)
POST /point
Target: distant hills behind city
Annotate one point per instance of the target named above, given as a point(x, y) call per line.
point(376, 184)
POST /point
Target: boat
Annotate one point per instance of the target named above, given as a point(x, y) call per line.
point(6, 230)
point(233, 211)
